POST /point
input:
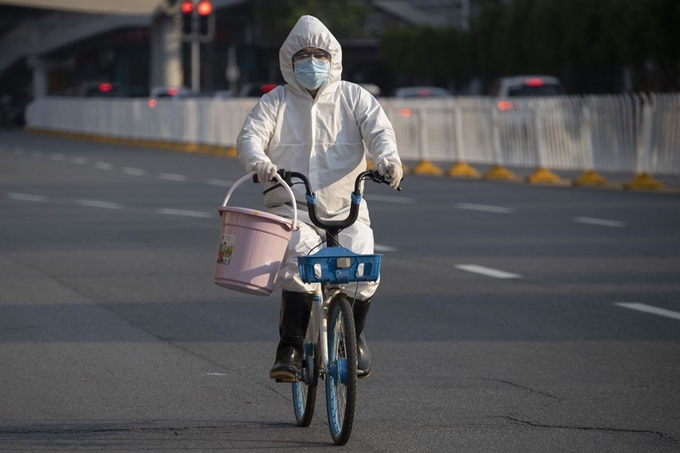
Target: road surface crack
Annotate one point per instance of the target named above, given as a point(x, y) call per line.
point(588, 428)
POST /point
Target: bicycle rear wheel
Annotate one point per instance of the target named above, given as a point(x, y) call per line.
point(304, 391)
point(341, 380)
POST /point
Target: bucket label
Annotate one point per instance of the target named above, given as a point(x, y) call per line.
point(226, 249)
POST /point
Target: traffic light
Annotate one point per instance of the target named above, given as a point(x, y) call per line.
point(187, 10)
point(206, 19)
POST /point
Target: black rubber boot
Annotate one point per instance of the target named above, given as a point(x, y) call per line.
point(363, 354)
point(293, 322)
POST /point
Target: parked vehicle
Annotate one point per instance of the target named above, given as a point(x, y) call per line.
point(422, 92)
point(256, 90)
point(525, 86)
point(104, 89)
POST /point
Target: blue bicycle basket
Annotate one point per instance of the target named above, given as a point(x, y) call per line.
point(338, 265)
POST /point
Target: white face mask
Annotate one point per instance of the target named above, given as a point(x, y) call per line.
point(311, 73)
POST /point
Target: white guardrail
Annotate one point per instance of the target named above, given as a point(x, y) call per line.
point(620, 133)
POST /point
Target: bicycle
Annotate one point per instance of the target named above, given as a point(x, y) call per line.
point(332, 357)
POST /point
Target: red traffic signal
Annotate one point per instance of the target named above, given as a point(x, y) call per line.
point(206, 19)
point(187, 9)
point(204, 8)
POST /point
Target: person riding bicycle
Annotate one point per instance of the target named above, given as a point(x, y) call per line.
point(319, 125)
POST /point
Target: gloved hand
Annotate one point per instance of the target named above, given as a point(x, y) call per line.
point(265, 170)
point(391, 171)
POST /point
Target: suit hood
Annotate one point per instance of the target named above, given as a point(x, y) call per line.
point(310, 32)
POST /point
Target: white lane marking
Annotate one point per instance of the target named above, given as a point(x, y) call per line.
point(384, 248)
point(133, 171)
point(650, 309)
point(484, 208)
point(172, 177)
point(57, 156)
point(25, 197)
point(185, 213)
point(220, 183)
point(98, 204)
point(218, 374)
point(600, 222)
point(390, 199)
point(486, 271)
point(104, 166)
point(79, 160)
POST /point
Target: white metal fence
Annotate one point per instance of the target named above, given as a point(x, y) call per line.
point(628, 133)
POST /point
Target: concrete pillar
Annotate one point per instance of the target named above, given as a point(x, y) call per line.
point(40, 70)
point(166, 52)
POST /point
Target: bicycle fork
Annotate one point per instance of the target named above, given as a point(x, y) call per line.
point(317, 334)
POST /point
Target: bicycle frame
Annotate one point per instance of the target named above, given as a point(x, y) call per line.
point(332, 355)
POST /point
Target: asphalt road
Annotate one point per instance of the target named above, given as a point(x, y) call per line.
point(510, 318)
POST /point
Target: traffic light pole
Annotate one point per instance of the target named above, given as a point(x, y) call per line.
point(195, 65)
point(198, 25)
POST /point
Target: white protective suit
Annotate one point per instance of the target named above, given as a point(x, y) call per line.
point(325, 138)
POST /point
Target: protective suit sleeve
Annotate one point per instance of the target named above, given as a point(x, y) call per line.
point(376, 129)
point(257, 131)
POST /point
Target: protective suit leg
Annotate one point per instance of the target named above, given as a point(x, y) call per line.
point(365, 361)
point(293, 322)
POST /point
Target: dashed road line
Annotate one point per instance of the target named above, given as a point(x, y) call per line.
point(103, 166)
point(384, 248)
point(98, 204)
point(599, 222)
point(26, 197)
point(390, 199)
point(172, 177)
point(185, 213)
point(650, 309)
point(489, 272)
point(484, 208)
point(133, 171)
point(219, 183)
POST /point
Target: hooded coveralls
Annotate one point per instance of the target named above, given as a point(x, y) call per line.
point(324, 137)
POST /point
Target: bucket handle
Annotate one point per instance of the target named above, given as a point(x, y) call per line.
point(283, 183)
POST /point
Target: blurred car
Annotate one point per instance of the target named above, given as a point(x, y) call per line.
point(521, 116)
point(526, 86)
point(223, 94)
point(256, 90)
point(170, 92)
point(104, 89)
point(422, 92)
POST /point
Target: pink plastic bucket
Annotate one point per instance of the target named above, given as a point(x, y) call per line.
point(251, 246)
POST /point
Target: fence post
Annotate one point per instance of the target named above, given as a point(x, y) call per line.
point(541, 175)
point(589, 177)
point(643, 179)
point(424, 167)
point(460, 168)
point(498, 170)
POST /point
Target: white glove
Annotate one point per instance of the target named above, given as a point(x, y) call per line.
point(265, 170)
point(391, 171)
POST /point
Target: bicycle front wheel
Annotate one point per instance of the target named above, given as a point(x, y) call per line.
point(341, 379)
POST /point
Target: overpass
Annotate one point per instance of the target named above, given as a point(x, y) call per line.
point(58, 24)
point(45, 39)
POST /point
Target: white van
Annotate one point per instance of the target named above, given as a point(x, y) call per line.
point(526, 86)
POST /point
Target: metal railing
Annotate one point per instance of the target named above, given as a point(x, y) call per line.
point(621, 133)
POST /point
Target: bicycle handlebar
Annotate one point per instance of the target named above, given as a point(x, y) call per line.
point(333, 225)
